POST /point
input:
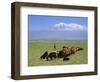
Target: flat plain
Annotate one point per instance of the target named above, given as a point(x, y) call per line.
point(36, 48)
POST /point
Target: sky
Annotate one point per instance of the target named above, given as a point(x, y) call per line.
point(57, 27)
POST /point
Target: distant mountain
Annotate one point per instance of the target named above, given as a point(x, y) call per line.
point(57, 35)
point(68, 27)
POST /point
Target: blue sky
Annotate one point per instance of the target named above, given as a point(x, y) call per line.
point(64, 27)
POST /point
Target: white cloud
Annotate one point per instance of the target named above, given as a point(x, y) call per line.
point(69, 27)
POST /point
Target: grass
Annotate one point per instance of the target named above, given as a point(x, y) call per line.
point(37, 48)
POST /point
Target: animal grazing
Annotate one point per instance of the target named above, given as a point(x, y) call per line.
point(44, 55)
point(51, 56)
point(60, 54)
point(67, 51)
point(64, 53)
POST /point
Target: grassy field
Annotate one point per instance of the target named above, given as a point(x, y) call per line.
point(37, 48)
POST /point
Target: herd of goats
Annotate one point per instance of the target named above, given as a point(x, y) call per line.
point(64, 53)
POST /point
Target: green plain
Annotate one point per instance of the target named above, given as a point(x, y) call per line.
point(37, 47)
